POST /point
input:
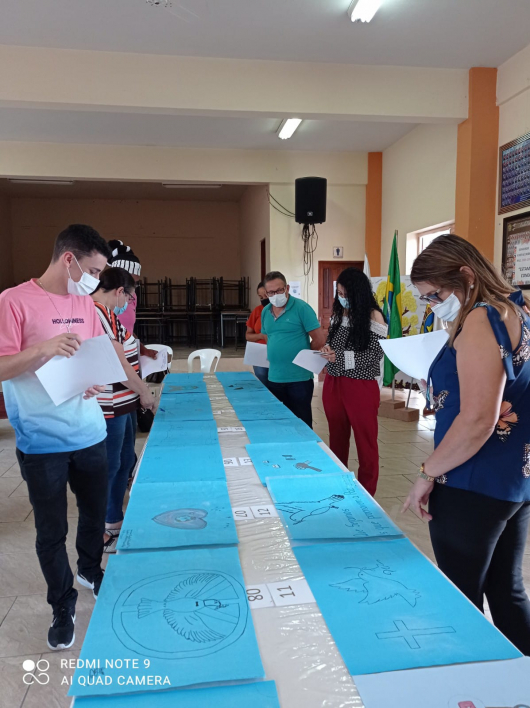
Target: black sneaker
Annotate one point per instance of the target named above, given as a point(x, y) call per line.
point(61, 633)
point(94, 584)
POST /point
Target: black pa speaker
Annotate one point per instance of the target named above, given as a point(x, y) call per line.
point(310, 200)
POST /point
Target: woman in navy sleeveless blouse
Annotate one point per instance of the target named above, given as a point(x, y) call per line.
point(477, 481)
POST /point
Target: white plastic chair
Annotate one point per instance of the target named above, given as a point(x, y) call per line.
point(161, 348)
point(207, 357)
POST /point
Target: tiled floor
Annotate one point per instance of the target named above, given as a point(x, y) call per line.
point(24, 613)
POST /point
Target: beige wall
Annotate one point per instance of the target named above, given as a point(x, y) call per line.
point(254, 226)
point(513, 90)
point(174, 239)
point(419, 182)
point(344, 226)
point(6, 263)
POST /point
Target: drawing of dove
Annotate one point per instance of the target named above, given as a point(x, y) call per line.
point(376, 587)
point(185, 612)
point(298, 511)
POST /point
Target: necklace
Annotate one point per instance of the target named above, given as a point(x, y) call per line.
point(69, 323)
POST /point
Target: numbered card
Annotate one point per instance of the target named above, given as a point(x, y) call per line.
point(259, 596)
point(230, 462)
point(264, 511)
point(291, 592)
point(242, 512)
point(244, 461)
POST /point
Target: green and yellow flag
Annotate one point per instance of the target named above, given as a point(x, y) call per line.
point(392, 308)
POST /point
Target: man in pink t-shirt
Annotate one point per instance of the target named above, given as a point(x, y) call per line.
point(56, 445)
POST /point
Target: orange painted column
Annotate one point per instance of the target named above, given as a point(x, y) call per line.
point(476, 170)
point(374, 210)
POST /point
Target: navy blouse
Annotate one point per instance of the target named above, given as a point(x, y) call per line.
point(501, 468)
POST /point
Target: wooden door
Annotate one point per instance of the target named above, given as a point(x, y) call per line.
point(328, 272)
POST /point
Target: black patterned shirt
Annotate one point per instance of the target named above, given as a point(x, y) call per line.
point(353, 363)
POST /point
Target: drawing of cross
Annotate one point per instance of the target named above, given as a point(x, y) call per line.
point(409, 635)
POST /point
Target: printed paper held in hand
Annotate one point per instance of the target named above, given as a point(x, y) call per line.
point(150, 366)
point(256, 354)
point(94, 363)
point(310, 360)
point(414, 355)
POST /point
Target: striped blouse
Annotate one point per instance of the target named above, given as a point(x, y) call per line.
point(117, 399)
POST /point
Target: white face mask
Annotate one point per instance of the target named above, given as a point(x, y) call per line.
point(448, 309)
point(85, 286)
point(278, 300)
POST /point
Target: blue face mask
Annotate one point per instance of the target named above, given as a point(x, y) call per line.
point(344, 302)
point(120, 310)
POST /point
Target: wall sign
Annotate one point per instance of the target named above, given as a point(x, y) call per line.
point(516, 250)
point(514, 174)
point(338, 251)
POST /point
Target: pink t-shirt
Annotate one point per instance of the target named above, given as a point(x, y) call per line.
point(128, 318)
point(28, 317)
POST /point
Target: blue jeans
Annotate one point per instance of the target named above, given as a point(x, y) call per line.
point(296, 396)
point(121, 435)
point(262, 374)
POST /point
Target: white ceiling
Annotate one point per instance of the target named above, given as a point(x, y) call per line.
point(430, 33)
point(92, 127)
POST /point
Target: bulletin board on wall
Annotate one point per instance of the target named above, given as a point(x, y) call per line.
point(514, 174)
point(516, 250)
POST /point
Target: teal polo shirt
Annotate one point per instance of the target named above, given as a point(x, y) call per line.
point(286, 336)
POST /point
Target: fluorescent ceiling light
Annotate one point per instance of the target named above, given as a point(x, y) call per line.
point(364, 10)
point(287, 127)
point(42, 181)
point(177, 185)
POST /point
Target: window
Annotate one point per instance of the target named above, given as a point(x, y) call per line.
point(417, 241)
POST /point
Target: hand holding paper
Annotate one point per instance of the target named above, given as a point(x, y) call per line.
point(96, 362)
point(256, 355)
point(149, 366)
point(311, 360)
point(414, 355)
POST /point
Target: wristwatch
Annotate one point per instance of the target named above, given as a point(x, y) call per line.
point(424, 476)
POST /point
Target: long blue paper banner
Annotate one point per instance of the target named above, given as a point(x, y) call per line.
point(328, 507)
point(172, 515)
point(183, 615)
point(290, 459)
point(388, 608)
point(261, 694)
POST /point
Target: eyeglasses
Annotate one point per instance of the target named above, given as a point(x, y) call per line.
point(432, 298)
point(271, 293)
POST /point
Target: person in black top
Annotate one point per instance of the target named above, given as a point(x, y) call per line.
point(351, 390)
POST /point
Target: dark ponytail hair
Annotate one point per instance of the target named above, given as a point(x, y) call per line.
point(362, 303)
point(114, 278)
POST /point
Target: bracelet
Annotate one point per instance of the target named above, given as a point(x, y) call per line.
point(424, 476)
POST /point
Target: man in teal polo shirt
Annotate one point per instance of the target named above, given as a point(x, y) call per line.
point(290, 325)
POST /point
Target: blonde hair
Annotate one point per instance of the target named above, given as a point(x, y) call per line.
point(441, 264)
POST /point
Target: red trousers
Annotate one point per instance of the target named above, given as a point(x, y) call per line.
point(353, 403)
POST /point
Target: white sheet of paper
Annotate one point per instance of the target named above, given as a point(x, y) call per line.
point(414, 355)
point(310, 360)
point(291, 592)
point(150, 366)
point(95, 362)
point(256, 354)
point(492, 683)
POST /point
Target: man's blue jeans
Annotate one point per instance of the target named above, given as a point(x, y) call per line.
point(296, 396)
